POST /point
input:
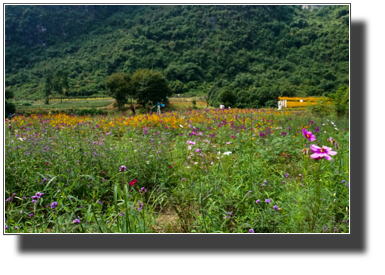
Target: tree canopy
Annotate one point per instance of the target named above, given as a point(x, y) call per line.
point(145, 86)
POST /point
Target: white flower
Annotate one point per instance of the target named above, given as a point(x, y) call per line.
point(189, 148)
point(336, 128)
point(180, 126)
point(227, 153)
point(147, 162)
point(219, 152)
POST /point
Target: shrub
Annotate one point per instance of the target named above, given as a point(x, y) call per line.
point(321, 108)
point(340, 101)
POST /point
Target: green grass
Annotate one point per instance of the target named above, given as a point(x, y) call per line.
point(78, 104)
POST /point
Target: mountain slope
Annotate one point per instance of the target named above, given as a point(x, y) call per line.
point(259, 52)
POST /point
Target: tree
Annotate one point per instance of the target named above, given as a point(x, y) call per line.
point(227, 96)
point(149, 86)
point(48, 87)
point(9, 106)
point(120, 88)
point(60, 82)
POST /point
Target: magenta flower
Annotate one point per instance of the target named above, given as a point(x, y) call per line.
point(76, 221)
point(324, 152)
point(122, 168)
point(268, 200)
point(308, 135)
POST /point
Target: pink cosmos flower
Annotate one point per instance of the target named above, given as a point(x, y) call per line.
point(308, 135)
point(324, 152)
point(133, 182)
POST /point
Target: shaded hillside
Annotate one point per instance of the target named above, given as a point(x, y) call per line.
point(258, 52)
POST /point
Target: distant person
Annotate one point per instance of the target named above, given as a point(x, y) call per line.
point(151, 107)
point(133, 110)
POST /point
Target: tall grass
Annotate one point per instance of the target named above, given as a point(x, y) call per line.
point(233, 179)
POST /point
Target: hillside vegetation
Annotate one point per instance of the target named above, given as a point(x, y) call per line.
point(252, 53)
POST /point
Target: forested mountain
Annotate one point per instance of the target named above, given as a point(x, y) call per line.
point(257, 52)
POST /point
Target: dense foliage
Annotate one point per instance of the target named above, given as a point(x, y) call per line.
point(257, 52)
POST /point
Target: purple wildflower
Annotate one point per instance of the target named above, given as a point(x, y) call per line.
point(76, 221)
point(251, 231)
point(268, 200)
point(275, 207)
point(53, 205)
point(257, 201)
point(122, 168)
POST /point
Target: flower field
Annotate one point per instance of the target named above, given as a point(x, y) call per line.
point(203, 171)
